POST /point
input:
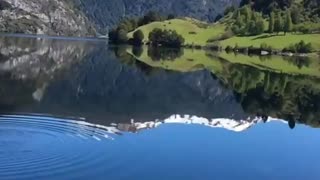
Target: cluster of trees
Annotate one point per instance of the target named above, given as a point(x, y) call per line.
point(267, 6)
point(167, 38)
point(248, 22)
point(301, 11)
point(300, 47)
point(279, 23)
point(164, 54)
point(118, 35)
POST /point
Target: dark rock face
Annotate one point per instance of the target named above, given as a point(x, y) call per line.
point(107, 13)
point(50, 17)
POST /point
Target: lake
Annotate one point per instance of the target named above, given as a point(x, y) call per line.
point(80, 109)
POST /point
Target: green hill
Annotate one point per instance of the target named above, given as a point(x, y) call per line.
point(194, 31)
point(199, 33)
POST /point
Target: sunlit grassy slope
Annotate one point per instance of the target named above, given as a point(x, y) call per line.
point(198, 33)
point(276, 41)
point(194, 32)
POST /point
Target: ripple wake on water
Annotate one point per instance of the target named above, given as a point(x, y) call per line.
point(46, 147)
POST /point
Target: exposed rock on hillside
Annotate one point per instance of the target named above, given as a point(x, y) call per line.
point(51, 17)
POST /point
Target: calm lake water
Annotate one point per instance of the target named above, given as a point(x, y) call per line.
point(72, 109)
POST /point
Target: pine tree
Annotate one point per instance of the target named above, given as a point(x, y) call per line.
point(239, 20)
point(271, 22)
point(247, 14)
point(288, 22)
point(278, 27)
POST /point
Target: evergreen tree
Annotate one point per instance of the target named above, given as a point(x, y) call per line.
point(138, 37)
point(271, 22)
point(246, 11)
point(296, 14)
point(122, 36)
point(260, 26)
point(239, 20)
point(278, 27)
point(288, 22)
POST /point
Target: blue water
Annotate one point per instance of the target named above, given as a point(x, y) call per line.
point(38, 147)
point(78, 109)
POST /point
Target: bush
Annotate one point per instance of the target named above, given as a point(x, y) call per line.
point(168, 38)
point(171, 16)
point(254, 50)
point(300, 47)
point(138, 37)
point(265, 47)
point(228, 49)
point(304, 30)
point(118, 36)
point(164, 54)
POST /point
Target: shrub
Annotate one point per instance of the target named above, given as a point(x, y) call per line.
point(254, 50)
point(164, 54)
point(138, 37)
point(118, 36)
point(169, 38)
point(171, 16)
point(228, 49)
point(304, 30)
point(300, 47)
point(265, 47)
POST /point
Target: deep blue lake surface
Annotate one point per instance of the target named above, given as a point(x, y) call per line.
point(83, 110)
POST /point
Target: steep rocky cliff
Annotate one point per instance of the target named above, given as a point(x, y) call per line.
point(105, 13)
point(51, 17)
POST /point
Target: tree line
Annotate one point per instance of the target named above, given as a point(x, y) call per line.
point(248, 22)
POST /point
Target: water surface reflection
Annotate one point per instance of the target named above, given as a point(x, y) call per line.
point(80, 110)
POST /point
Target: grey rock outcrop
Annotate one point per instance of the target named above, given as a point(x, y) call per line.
point(50, 17)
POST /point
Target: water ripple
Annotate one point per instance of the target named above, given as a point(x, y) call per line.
point(40, 147)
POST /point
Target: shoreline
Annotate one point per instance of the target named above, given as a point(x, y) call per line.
point(44, 36)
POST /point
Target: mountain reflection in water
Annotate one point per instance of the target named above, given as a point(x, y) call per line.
point(81, 110)
point(120, 84)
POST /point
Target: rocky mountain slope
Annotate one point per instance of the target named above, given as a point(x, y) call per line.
point(74, 17)
point(51, 17)
point(106, 13)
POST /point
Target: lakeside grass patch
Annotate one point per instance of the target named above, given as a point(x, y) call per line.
point(193, 31)
point(305, 66)
point(193, 60)
point(275, 41)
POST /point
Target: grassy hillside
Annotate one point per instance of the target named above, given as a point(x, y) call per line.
point(198, 33)
point(195, 32)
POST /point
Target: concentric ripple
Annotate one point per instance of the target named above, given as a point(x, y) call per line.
point(35, 147)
